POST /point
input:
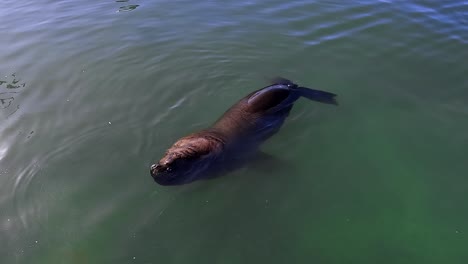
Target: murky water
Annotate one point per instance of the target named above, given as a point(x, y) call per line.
point(93, 92)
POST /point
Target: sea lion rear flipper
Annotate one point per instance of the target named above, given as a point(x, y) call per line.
point(317, 95)
point(312, 94)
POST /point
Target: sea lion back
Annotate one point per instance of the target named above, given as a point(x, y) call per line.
point(268, 98)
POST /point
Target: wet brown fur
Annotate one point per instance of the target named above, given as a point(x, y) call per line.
point(232, 126)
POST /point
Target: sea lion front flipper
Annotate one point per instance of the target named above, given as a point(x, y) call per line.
point(267, 162)
point(261, 156)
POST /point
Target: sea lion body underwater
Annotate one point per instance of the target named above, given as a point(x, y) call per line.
point(234, 137)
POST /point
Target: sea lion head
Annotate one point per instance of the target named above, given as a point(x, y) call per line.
point(174, 170)
point(187, 160)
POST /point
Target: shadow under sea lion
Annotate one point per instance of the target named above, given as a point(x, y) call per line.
point(235, 138)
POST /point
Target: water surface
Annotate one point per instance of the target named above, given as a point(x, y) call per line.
point(93, 92)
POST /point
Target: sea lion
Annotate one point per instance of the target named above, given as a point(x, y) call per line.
point(235, 137)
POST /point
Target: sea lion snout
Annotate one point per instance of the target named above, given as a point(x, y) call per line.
point(162, 174)
point(173, 169)
point(155, 169)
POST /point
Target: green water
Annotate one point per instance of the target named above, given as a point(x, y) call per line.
point(93, 92)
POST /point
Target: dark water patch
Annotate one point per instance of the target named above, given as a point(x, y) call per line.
point(10, 89)
point(127, 8)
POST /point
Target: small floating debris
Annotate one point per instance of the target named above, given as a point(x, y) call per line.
point(127, 8)
point(110, 123)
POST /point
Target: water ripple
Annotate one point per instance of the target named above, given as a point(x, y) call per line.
point(349, 32)
point(26, 211)
point(441, 19)
point(333, 30)
point(284, 7)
